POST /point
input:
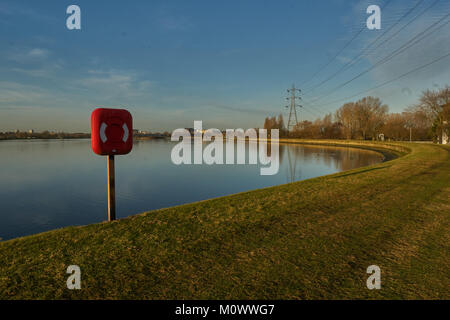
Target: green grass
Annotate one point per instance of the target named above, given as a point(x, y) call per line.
point(307, 240)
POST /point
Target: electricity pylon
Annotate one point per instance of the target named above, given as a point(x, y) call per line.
point(292, 122)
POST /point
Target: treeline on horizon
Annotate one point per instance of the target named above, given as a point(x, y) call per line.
point(42, 135)
point(13, 135)
point(369, 119)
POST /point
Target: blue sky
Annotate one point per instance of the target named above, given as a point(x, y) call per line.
point(227, 63)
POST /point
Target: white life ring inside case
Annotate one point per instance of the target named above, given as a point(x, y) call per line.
point(104, 137)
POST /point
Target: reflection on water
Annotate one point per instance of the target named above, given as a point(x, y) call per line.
point(339, 158)
point(48, 184)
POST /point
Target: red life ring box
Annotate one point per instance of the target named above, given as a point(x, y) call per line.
point(111, 131)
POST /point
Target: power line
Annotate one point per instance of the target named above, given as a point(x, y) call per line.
point(334, 57)
point(411, 21)
point(403, 27)
point(343, 48)
point(390, 81)
point(393, 54)
point(313, 109)
point(356, 58)
point(313, 113)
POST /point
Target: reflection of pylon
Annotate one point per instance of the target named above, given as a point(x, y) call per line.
point(292, 122)
point(292, 168)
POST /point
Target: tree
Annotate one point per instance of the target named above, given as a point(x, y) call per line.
point(275, 123)
point(433, 104)
point(371, 115)
point(347, 117)
point(395, 127)
point(281, 126)
point(362, 119)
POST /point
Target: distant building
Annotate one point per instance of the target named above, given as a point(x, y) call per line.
point(194, 131)
point(31, 131)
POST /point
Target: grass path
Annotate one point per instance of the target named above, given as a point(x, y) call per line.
point(312, 239)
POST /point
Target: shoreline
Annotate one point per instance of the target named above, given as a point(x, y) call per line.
point(387, 153)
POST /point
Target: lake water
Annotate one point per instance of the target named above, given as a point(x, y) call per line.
point(48, 184)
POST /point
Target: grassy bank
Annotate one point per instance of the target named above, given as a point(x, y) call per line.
point(307, 240)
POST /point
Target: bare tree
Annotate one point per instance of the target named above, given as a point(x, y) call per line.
point(433, 104)
point(371, 115)
point(347, 117)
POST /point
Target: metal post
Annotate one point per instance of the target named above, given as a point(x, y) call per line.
point(111, 189)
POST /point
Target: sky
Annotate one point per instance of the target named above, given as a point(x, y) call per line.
point(227, 63)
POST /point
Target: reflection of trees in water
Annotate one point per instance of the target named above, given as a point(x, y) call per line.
point(352, 158)
point(340, 158)
point(283, 147)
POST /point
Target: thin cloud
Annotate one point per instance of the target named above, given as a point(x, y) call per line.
point(238, 109)
point(112, 84)
point(30, 55)
point(14, 93)
point(38, 53)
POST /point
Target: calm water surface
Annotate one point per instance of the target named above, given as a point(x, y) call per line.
point(48, 184)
